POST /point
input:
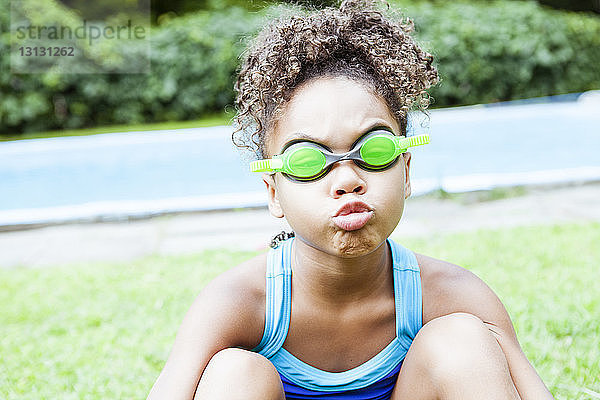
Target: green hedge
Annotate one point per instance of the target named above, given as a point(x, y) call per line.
point(504, 50)
point(193, 64)
point(486, 51)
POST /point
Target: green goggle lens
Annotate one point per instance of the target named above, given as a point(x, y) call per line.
point(305, 162)
point(378, 151)
point(308, 161)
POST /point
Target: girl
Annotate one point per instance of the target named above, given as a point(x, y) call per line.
point(338, 310)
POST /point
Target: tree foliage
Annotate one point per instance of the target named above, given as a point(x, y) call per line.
point(507, 50)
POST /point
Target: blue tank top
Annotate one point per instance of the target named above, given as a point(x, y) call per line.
point(408, 301)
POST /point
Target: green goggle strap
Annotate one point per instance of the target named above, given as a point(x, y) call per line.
point(267, 165)
point(278, 164)
point(403, 143)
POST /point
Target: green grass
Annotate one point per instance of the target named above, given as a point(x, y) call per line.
point(209, 120)
point(104, 330)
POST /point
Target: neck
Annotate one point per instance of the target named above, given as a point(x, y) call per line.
point(332, 279)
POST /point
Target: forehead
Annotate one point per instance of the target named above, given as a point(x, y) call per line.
point(333, 111)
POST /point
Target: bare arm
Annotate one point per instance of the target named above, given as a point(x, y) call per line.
point(227, 313)
point(448, 288)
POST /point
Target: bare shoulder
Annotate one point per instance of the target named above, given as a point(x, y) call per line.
point(238, 297)
point(448, 288)
point(228, 312)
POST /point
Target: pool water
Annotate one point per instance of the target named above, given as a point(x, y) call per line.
point(471, 148)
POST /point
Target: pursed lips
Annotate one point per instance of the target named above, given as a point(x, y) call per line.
point(353, 215)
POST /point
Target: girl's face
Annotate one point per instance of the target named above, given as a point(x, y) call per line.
point(350, 211)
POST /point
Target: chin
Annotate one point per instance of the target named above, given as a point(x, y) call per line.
point(355, 243)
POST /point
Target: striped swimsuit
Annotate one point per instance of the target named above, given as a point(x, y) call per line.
point(372, 380)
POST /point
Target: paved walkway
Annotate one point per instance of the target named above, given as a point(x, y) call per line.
point(252, 229)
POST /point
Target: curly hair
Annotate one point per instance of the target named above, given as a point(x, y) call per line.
point(355, 41)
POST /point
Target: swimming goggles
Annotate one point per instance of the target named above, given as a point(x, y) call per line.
point(305, 161)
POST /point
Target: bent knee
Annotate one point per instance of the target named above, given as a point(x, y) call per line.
point(251, 373)
point(453, 329)
point(234, 361)
point(456, 342)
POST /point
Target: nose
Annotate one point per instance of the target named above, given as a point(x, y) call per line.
point(345, 179)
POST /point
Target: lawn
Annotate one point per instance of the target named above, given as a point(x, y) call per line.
point(206, 121)
point(104, 330)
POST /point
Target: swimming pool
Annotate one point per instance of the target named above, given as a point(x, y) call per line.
point(123, 175)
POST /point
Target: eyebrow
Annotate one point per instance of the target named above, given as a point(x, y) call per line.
point(379, 125)
point(303, 136)
point(300, 136)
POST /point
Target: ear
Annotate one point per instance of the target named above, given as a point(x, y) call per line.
point(274, 206)
point(407, 188)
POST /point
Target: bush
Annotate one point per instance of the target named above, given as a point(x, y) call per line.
point(193, 58)
point(486, 51)
point(500, 50)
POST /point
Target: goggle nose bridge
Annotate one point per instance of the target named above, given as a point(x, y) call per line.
point(332, 158)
